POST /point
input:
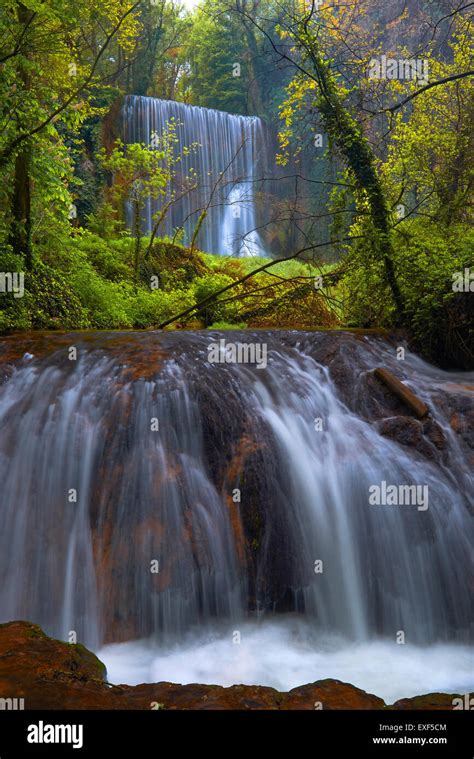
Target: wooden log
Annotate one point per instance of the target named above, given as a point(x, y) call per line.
point(417, 406)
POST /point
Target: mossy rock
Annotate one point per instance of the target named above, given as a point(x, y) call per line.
point(173, 265)
point(49, 658)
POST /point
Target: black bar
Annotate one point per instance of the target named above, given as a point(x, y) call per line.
point(318, 734)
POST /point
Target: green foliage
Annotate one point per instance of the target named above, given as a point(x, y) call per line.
point(441, 320)
point(430, 165)
point(282, 297)
point(53, 301)
point(174, 265)
point(103, 222)
point(227, 325)
point(158, 65)
point(104, 301)
point(427, 257)
point(13, 311)
point(89, 286)
point(213, 48)
point(152, 308)
point(230, 66)
point(50, 301)
point(63, 64)
point(216, 311)
point(55, 58)
point(110, 258)
point(87, 282)
point(409, 206)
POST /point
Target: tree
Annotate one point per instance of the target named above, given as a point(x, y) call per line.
point(430, 162)
point(53, 56)
point(231, 67)
point(144, 172)
point(318, 86)
point(156, 63)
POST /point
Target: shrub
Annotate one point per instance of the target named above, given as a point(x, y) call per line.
point(439, 321)
point(215, 311)
point(49, 301)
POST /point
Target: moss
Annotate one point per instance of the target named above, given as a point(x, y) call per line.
point(227, 325)
point(35, 631)
point(73, 657)
point(174, 265)
point(84, 655)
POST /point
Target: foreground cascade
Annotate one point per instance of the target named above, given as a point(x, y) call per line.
point(146, 491)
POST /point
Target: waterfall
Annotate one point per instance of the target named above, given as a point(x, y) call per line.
point(225, 161)
point(146, 491)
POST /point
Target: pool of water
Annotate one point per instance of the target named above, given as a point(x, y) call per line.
point(289, 652)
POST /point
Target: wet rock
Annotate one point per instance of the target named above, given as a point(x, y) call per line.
point(329, 695)
point(435, 433)
point(239, 452)
point(410, 432)
point(429, 701)
point(462, 423)
point(20, 640)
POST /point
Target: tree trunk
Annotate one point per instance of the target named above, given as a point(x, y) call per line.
point(354, 148)
point(137, 231)
point(20, 233)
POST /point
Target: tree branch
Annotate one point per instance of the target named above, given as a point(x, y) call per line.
point(439, 82)
point(9, 149)
point(210, 298)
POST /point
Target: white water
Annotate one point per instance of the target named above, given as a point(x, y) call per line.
point(86, 566)
point(288, 652)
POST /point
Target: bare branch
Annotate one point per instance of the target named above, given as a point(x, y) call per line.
point(210, 298)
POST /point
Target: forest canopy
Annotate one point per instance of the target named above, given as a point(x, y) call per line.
point(368, 116)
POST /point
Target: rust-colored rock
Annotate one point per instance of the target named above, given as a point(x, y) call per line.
point(50, 674)
point(330, 695)
point(426, 437)
point(428, 701)
point(406, 431)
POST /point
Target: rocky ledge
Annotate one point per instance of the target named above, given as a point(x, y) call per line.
point(50, 674)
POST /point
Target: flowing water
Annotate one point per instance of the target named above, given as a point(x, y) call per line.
point(287, 652)
point(134, 454)
point(226, 160)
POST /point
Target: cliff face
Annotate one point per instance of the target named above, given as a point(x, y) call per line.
point(50, 674)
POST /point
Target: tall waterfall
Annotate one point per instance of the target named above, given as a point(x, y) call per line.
point(119, 472)
point(225, 162)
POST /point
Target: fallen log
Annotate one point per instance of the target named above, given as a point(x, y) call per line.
point(419, 408)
